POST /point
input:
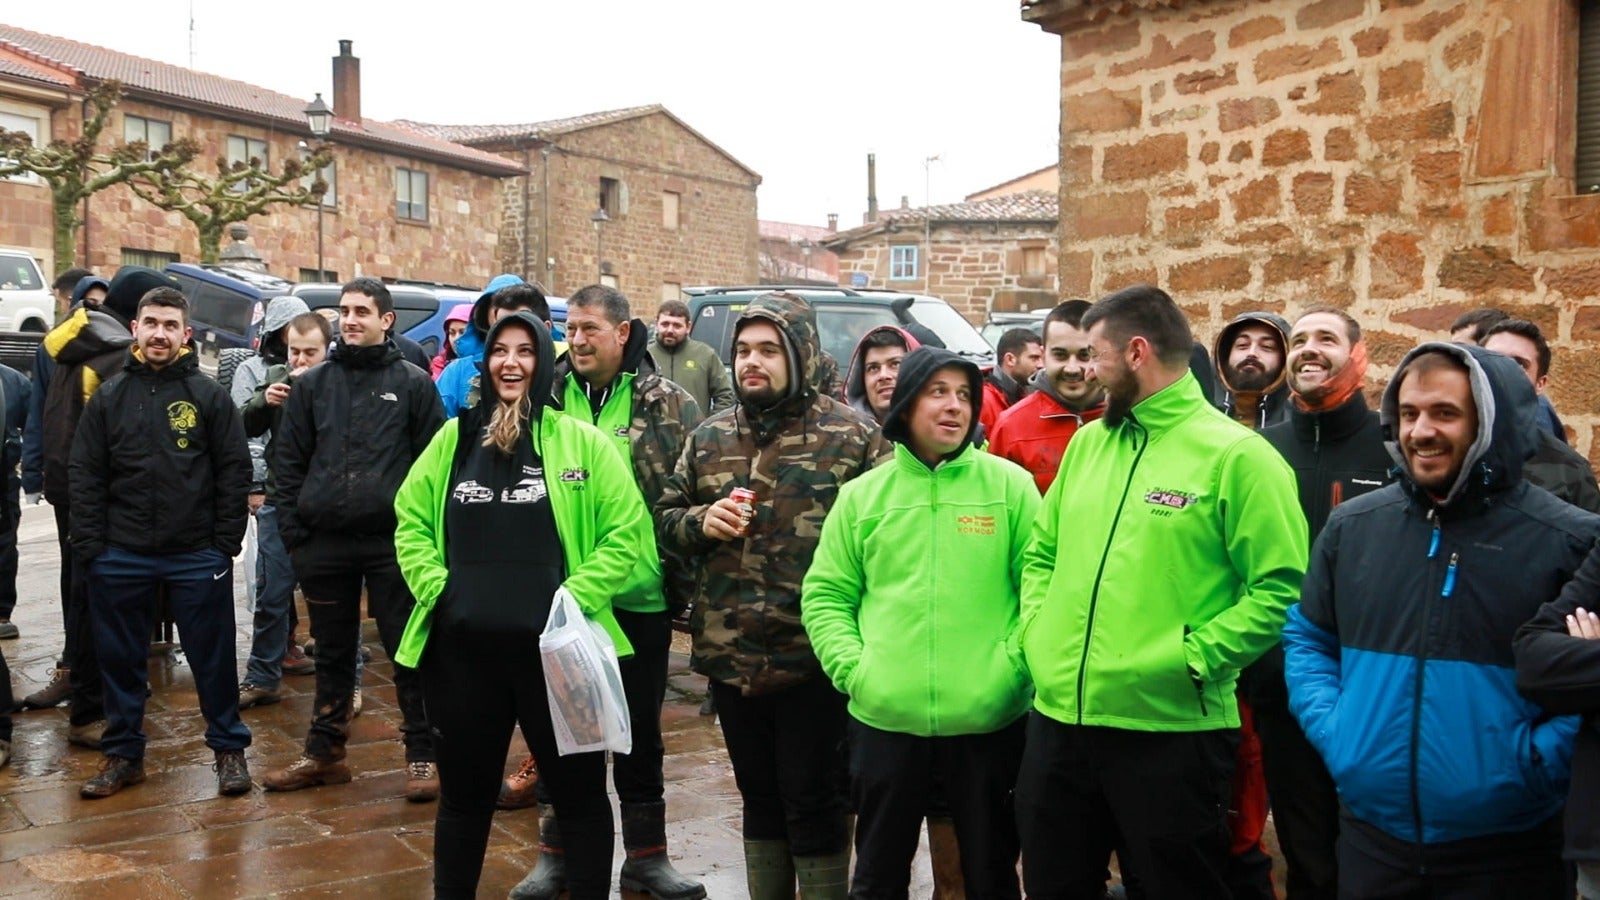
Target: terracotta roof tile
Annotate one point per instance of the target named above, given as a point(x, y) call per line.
point(160, 79)
point(473, 134)
point(1027, 206)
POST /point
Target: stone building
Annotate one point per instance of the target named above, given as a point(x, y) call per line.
point(402, 204)
point(981, 255)
point(1404, 159)
point(794, 254)
point(1045, 179)
point(679, 210)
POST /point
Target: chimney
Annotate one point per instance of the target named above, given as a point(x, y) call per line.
point(872, 188)
point(347, 84)
point(905, 201)
point(833, 222)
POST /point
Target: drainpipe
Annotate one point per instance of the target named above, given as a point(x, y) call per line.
point(527, 159)
point(544, 230)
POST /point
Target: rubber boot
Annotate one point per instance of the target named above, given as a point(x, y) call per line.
point(823, 877)
point(549, 875)
point(768, 870)
point(646, 868)
point(945, 854)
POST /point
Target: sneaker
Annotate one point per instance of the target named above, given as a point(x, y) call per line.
point(233, 775)
point(87, 735)
point(115, 774)
point(306, 772)
point(295, 661)
point(254, 695)
point(355, 704)
point(517, 791)
point(53, 694)
point(8, 631)
point(309, 648)
point(422, 782)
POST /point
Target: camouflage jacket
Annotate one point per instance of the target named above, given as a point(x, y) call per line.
point(794, 456)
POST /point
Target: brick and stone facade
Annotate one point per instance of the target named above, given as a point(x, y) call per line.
point(997, 254)
point(680, 210)
point(1405, 159)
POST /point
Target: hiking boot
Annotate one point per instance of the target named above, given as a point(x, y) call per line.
point(233, 775)
point(646, 868)
point(518, 790)
point(87, 735)
point(549, 876)
point(115, 774)
point(254, 695)
point(8, 631)
point(422, 782)
point(53, 694)
point(306, 772)
point(295, 661)
point(355, 704)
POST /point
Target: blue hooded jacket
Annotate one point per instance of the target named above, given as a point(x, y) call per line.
point(456, 380)
point(1398, 657)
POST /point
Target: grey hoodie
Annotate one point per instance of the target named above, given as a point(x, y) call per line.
point(252, 372)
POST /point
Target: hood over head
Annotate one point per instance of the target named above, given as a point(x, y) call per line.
point(1506, 423)
point(280, 312)
point(1219, 350)
point(796, 322)
point(855, 380)
point(480, 307)
point(919, 366)
point(83, 286)
point(130, 285)
point(544, 368)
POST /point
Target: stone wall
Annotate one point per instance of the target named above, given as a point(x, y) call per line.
point(1404, 159)
point(975, 267)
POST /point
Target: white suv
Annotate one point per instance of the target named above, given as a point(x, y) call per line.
point(26, 301)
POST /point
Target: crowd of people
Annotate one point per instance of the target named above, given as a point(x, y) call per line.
point(1117, 597)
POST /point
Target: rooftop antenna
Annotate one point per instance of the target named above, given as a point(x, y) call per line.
point(191, 34)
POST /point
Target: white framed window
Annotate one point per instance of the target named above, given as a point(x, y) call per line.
point(411, 194)
point(29, 125)
point(903, 262)
point(246, 150)
point(154, 132)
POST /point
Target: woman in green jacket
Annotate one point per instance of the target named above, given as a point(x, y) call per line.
point(511, 501)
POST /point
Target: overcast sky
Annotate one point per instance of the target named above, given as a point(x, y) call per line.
point(800, 92)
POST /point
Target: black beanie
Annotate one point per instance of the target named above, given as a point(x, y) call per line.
point(916, 370)
point(129, 287)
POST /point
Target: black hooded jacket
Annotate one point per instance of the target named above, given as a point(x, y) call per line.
point(159, 464)
point(86, 350)
point(915, 370)
point(348, 434)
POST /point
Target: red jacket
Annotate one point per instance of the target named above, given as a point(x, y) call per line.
point(995, 402)
point(1034, 434)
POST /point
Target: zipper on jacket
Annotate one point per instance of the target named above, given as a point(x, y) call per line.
point(1445, 589)
point(1094, 595)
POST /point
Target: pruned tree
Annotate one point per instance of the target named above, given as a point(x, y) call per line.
point(241, 189)
point(77, 169)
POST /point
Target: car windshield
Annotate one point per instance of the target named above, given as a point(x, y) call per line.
point(957, 333)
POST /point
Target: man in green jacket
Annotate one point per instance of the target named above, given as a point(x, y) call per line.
point(691, 364)
point(606, 378)
point(911, 605)
point(1162, 562)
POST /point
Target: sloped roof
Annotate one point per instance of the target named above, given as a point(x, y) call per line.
point(1063, 15)
point(19, 63)
point(1027, 206)
point(782, 231)
point(159, 81)
point(550, 130)
point(1013, 180)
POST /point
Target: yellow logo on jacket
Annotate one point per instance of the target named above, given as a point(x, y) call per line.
point(689, 364)
point(182, 418)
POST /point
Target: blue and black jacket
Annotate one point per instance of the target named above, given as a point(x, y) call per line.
point(1398, 656)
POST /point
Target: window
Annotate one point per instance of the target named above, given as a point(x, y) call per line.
point(1588, 161)
point(613, 197)
point(154, 132)
point(903, 262)
point(608, 280)
point(247, 151)
point(411, 195)
point(330, 198)
point(1033, 260)
point(153, 259)
point(28, 125)
point(669, 208)
point(310, 276)
point(671, 290)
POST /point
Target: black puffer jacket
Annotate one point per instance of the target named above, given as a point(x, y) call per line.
point(348, 434)
point(159, 464)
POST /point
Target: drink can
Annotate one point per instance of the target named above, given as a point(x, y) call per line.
point(746, 499)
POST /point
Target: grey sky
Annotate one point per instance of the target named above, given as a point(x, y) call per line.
point(800, 92)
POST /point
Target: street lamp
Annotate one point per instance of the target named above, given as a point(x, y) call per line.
point(320, 118)
point(599, 219)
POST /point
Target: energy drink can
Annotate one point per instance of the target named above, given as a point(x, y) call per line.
point(746, 499)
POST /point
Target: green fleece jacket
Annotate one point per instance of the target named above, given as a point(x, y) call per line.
point(1163, 561)
point(911, 599)
point(605, 530)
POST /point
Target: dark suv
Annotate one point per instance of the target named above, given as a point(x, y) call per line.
point(226, 306)
point(844, 315)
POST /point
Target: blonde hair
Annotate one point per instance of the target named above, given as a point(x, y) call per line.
point(507, 422)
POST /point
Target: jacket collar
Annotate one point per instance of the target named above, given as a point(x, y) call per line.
point(907, 460)
point(375, 356)
point(185, 365)
point(1171, 405)
point(1335, 424)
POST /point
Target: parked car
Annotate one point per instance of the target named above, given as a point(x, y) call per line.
point(999, 323)
point(844, 315)
point(26, 301)
point(226, 306)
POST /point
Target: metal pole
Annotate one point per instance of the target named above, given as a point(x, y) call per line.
point(322, 270)
point(599, 253)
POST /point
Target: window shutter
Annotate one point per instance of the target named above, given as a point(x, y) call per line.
point(1588, 161)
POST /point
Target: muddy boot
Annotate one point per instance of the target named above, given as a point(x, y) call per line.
point(768, 870)
point(646, 868)
point(823, 877)
point(549, 876)
point(945, 854)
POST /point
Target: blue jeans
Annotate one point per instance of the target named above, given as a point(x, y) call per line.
point(122, 595)
point(274, 596)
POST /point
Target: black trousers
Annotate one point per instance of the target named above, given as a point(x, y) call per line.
point(891, 775)
point(80, 656)
point(1515, 875)
point(479, 686)
point(1305, 804)
point(9, 521)
point(1165, 793)
point(332, 569)
point(787, 750)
